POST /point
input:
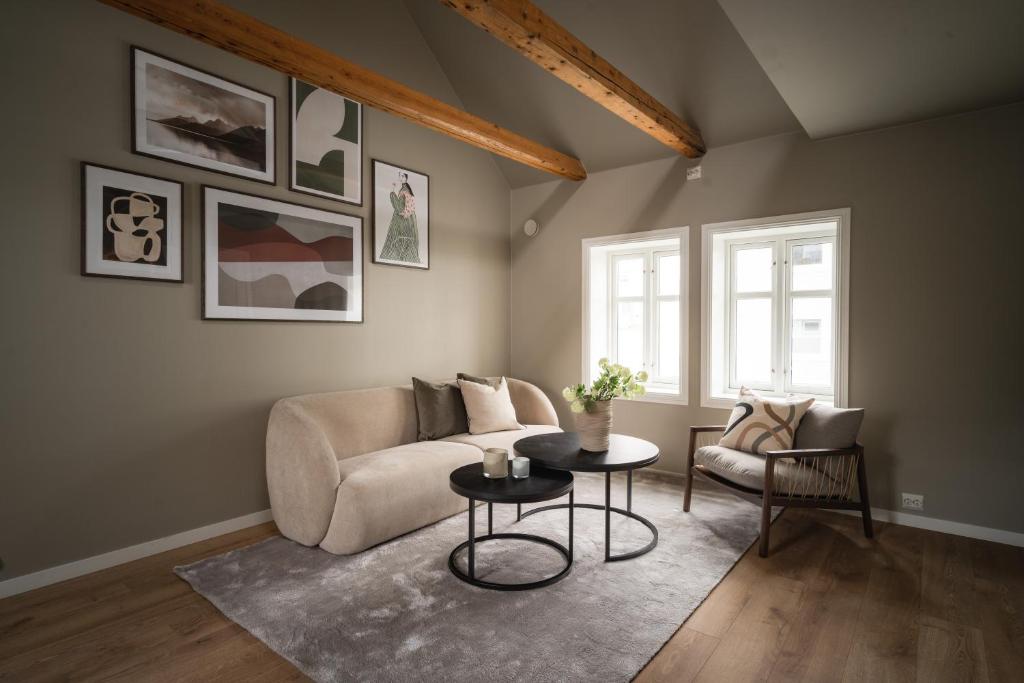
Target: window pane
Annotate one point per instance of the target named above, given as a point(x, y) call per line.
point(668, 340)
point(753, 269)
point(668, 275)
point(811, 342)
point(811, 266)
point(630, 334)
point(754, 341)
point(629, 276)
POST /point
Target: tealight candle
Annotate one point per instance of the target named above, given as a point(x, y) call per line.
point(495, 463)
point(520, 467)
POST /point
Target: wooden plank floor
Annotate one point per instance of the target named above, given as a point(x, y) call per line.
point(827, 605)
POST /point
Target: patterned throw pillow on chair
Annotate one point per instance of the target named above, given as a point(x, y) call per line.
point(759, 425)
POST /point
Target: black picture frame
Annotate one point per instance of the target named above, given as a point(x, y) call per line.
point(271, 130)
point(357, 253)
point(84, 167)
point(291, 153)
point(373, 218)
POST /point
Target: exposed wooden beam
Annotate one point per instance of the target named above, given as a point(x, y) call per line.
point(523, 26)
point(241, 34)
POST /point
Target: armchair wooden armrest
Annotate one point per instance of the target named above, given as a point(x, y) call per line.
point(707, 428)
point(694, 431)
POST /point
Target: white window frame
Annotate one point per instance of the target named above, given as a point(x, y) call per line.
point(655, 393)
point(731, 235)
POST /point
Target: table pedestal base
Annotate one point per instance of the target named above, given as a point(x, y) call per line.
point(608, 509)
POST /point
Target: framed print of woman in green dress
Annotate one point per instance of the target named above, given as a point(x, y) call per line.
point(401, 216)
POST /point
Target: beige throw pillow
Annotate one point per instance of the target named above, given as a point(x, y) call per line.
point(489, 409)
point(759, 425)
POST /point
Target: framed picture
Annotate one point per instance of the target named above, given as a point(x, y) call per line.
point(191, 117)
point(270, 260)
point(401, 216)
point(131, 225)
point(326, 144)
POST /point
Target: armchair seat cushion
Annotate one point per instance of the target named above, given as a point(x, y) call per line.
point(747, 470)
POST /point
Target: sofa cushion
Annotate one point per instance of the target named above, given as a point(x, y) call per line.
point(747, 469)
point(440, 410)
point(827, 427)
point(760, 424)
point(504, 439)
point(492, 382)
point(388, 493)
point(489, 409)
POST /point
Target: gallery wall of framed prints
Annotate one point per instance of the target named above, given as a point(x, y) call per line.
point(263, 258)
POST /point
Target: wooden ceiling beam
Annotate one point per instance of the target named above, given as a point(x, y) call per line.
point(224, 27)
point(524, 27)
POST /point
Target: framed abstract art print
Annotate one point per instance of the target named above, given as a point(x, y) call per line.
point(131, 225)
point(326, 144)
point(265, 259)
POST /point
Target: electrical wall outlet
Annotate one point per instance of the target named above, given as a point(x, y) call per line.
point(912, 501)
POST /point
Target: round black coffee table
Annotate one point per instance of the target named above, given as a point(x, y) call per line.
point(469, 481)
point(561, 452)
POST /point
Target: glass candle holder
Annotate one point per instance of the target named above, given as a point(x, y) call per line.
point(520, 467)
point(495, 463)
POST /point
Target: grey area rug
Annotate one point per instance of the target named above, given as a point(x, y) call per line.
point(396, 613)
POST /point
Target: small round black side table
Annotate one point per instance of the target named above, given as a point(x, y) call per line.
point(469, 481)
point(561, 451)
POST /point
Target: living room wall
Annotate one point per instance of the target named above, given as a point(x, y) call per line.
point(125, 417)
point(935, 319)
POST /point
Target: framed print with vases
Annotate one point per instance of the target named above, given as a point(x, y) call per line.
point(191, 117)
point(265, 259)
point(326, 144)
point(131, 225)
point(401, 216)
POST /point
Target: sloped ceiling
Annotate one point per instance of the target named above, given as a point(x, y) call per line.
point(686, 53)
point(846, 66)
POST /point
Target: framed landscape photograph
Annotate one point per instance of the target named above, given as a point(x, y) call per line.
point(191, 117)
point(401, 216)
point(326, 144)
point(131, 225)
point(269, 260)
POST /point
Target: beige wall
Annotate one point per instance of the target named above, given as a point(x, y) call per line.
point(123, 416)
point(936, 280)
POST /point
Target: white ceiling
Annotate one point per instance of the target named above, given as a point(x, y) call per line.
point(845, 66)
point(739, 69)
point(684, 52)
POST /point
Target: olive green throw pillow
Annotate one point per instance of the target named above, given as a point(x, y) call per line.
point(440, 411)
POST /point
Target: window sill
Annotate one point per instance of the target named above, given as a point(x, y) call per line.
point(651, 397)
point(728, 402)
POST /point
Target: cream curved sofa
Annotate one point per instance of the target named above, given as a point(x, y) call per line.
point(346, 472)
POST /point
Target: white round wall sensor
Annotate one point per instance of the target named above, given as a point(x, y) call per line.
point(530, 227)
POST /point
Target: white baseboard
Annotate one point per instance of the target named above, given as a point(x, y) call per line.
point(71, 570)
point(945, 526)
point(920, 521)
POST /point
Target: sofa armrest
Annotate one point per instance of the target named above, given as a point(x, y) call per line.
point(302, 474)
point(532, 405)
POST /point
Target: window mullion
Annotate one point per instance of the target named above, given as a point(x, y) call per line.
point(780, 305)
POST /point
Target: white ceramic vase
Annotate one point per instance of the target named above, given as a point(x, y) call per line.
point(595, 426)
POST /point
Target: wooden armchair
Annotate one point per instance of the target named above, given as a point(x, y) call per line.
point(815, 477)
